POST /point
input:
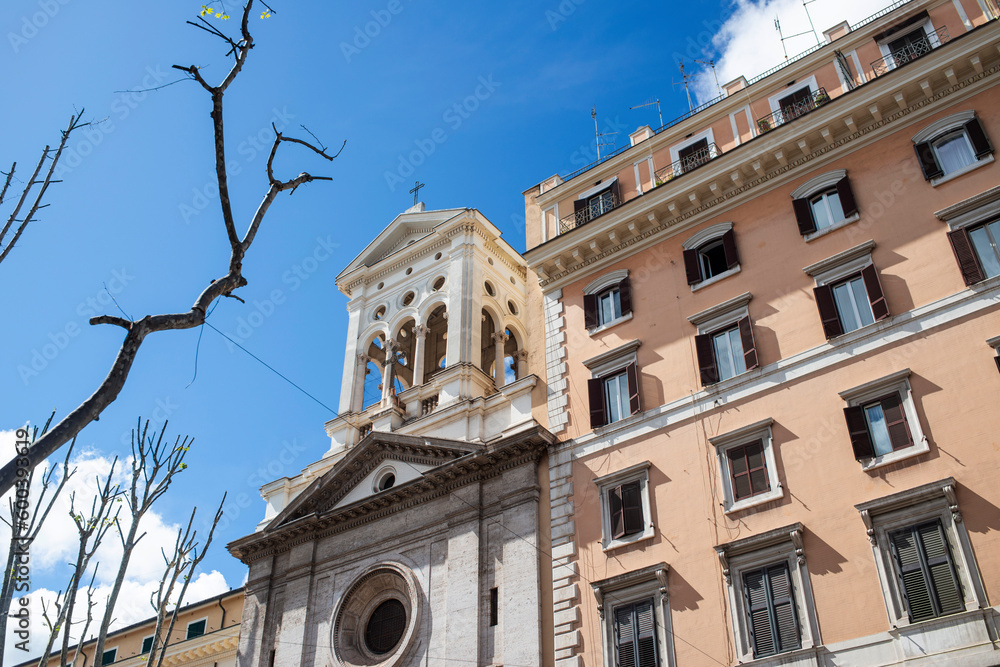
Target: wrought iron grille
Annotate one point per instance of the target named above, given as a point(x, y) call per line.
point(792, 111)
point(911, 51)
point(686, 164)
point(597, 206)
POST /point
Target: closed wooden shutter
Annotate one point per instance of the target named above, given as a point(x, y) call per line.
point(928, 163)
point(598, 412)
point(846, 195)
point(625, 636)
point(729, 247)
point(758, 615)
point(616, 193)
point(625, 295)
point(880, 309)
point(632, 375)
point(968, 263)
point(895, 421)
point(926, 572)
point(857, 426)
point(828, 311)
point(749, 346)
point(804, 216)
point(645, 623)
point(770, 609)
point(631, 498)
point(692, 268)
point(980, 141)
point(705, 350)
point(616, 512)
point(786, 624)
point(590, 307)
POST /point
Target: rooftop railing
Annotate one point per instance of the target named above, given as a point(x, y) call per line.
point(911, 51)
point(792, 111)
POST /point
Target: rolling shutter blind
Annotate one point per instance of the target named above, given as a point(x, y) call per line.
point(729, 246)
point(625, 295)
point(857, 426)
point(928, 163)
point(598, 414)
point(895, 422)
point(707, 367)
point(691, 266)
point(880, 309)
point(632, 375)
point(828, 311)
point(749, 346)
point(846, 194)
point(804, 216)
point(968, 263)
point(590, 319)
point(977, 135)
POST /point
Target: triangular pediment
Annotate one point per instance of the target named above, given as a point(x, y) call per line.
point(353, 479)
point(406, 229)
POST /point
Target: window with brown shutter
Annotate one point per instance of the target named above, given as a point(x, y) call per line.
point(625, 509)
point(711, 258)
point(770, 609)
point(749, 345)
point(878, 427)
point(954, 149)
point(614, 396)
point(748, 470)
point(876, 298)
point(926, 572)
point(828, 311)
point(635, 635)
point(595, 391)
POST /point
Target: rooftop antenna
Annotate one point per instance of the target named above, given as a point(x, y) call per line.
point(685, 79)
point(805, 5)
point(711, 63)
point(648, 103)
point(599, 136)
point(777, 26)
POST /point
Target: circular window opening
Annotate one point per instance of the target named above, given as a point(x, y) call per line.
point(408, 299)
point(380, 285)
point(512, 308)
point(489, 289)
point(437, 256)
point(409, 271)
point(439, 283)
point(490, 260)
point(512, 281)
point(379, 313)
point(386, 480)
point(385, 627)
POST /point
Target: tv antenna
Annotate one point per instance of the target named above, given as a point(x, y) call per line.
point(599, 136)
point(685, 78)
point(812, 29)
point(648, 103)
point(711, 63)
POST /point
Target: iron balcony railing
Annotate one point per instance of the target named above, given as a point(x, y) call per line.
point(686, 164)
point(911, 51)
point(792, 111)
point(596, 207)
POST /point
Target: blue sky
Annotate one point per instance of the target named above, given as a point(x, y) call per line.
point(478, 101)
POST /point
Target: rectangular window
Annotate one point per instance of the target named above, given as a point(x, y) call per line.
point(625, 509)
point(694, 155)
point(711, 258)
point(607, 305)
point(878, 427)
point(614, 397)
point(196, 629)
point(147, 644)
point(851, 303)
point(770, 610)
point(825, 206)
point(911, 45)
point(954, 149)
point(726, 353)
point(926, 572)
point(748, 470)
point(109, 656)
point(494, 607)
point(977, 251)
point(796, 104)
point(729, 353)
point(635, 635)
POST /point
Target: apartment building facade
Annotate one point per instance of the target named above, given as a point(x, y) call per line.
point(771, 359)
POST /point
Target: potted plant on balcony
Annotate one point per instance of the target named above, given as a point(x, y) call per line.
point(822, 98)
point(764, 125)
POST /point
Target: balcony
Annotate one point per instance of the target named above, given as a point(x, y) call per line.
point(686, 163)
point(596, 207)
point(792, 111)
point(910, 51)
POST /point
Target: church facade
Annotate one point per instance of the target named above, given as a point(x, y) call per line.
point(418, 538)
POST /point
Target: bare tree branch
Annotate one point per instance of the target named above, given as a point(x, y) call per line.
point(108, 390)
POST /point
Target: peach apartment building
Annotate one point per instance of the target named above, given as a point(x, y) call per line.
point(206, 634)
point(772, 330)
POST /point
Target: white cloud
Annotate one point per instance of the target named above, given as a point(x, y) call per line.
point(748, 43)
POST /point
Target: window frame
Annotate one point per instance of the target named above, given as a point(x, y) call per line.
point(591, 300)
point(979, 209)
point(781, 545)
point(907, 27)
point(648, 583)
point(692, 255)
point(113, 652)
point(802, 196)
point(841, 267)
point(638, 473)
point(994, 344)
point(865, 394)
point(608, 365)
point(964, 121)
point(583, 210)
point(725, 316)
point(142, 645)
point(747, 435)
point(675, 150)
point(187, 630)
point(774, 101)
point(923, 504)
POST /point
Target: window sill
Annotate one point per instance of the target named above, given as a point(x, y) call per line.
point(899, 455)
point(630, 540)
point(604, 327)
point(754, 501)
point(714, 279)
point(961, 172)
point(832, 228)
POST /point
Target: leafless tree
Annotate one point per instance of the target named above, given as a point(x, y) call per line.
point(179, 565)
point(53, 623)
point(36, 205)
point(136, 331)
point(154, 463)
point(22, 537)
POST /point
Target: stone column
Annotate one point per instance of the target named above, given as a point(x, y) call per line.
point(521, 358)
point(360, 373)
point(420, 335)
point(500, 339)
point(389, 372)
